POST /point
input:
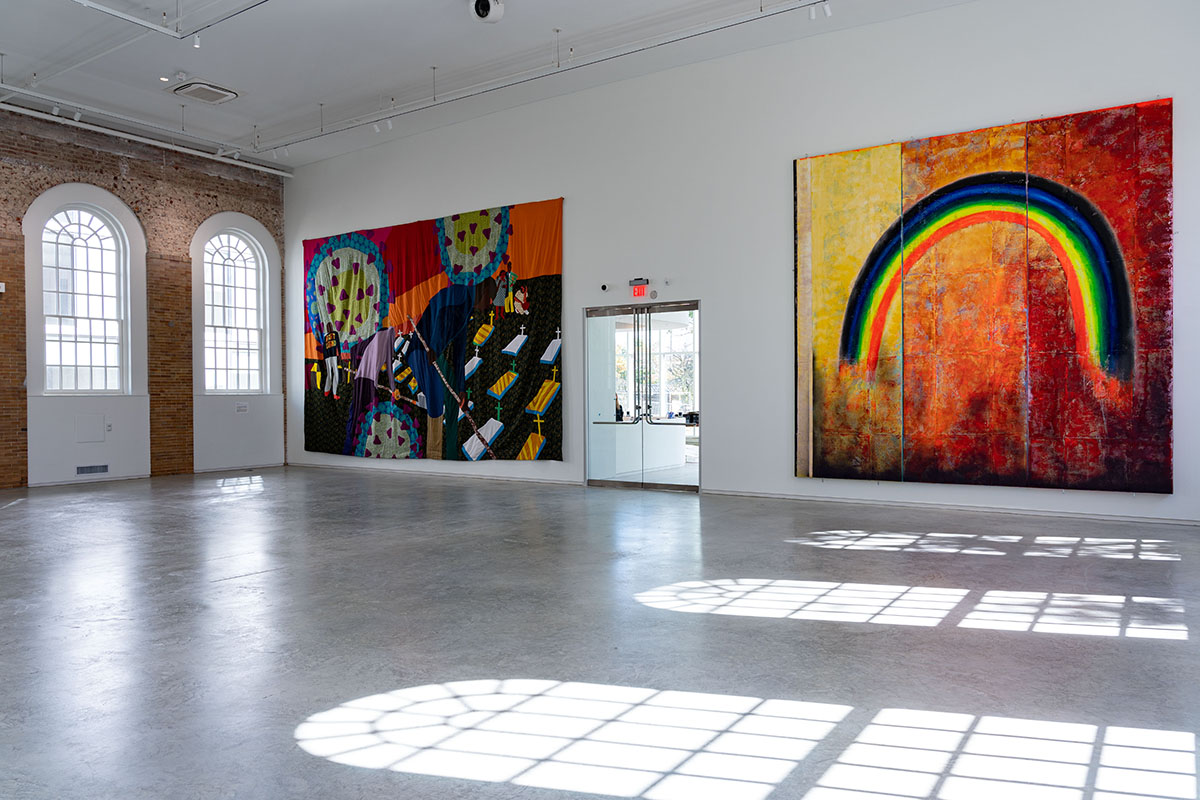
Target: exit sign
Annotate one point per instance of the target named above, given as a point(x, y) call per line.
point(639, 291)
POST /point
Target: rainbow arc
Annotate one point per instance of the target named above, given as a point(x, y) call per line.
point(1077, 232)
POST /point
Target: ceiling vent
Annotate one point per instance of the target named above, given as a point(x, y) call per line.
point(205, 92)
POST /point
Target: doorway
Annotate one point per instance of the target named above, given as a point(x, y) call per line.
point(643, 377)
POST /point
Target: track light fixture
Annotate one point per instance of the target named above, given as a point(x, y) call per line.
point(196, 41)
point(828, 9)
point(376, 127)
point(55, 110)
point(812, 12)
point(389, 124)
point(78, 114)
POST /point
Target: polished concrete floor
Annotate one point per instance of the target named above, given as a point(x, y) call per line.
point(260, 635)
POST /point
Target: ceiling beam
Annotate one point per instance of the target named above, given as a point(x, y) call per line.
point(169, 27)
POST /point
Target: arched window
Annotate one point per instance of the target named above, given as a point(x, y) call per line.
point(233, 314)
point(84, 302)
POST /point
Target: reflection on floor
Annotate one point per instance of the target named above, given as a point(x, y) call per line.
point(820, 600)
point(992, 544)
point(924, 754)
point(1085, 614)
point(670, 745)
point(602, 739)
point(924, 606)
point(682, 475)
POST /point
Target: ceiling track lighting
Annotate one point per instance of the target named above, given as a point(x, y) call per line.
point(196, 41)
point(78, 114)
point(376, 127)
point(828, 9)
point(55, 110)
point(389, 124)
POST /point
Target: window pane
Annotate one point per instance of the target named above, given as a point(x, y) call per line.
point(82, 277)
point(231, 315)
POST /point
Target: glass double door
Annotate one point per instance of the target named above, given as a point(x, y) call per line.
point(644, 396)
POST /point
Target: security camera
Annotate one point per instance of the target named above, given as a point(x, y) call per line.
point(487, 10)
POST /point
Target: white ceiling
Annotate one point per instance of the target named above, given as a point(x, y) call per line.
point(367, 60)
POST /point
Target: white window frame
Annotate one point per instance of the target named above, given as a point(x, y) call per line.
point(122, 303)
point(266, 252)
point(260, 321)
point(131, 267)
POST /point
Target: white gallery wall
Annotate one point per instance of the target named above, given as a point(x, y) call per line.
point(686, 176)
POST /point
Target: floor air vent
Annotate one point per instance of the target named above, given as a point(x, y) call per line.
point(92, 470)
point(205, 92)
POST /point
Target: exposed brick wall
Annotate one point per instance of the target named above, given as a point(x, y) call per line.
point(171, 194)
point(13, 438)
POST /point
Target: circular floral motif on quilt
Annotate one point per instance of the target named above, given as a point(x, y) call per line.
point(346, 289)
point(387, 431)
point(472, 245)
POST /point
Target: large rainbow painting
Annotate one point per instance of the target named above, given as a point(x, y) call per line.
point(990, 307)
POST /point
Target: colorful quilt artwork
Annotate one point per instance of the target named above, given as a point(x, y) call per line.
point(991, 307)
point(400, 356)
